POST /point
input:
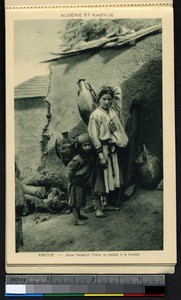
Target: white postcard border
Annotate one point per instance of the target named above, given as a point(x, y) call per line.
point(39, 261)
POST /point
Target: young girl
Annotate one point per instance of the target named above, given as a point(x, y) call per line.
point(79, 172)
point(107, 134)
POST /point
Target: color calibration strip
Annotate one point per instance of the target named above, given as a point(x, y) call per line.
point(84, 285)
point(29, 291)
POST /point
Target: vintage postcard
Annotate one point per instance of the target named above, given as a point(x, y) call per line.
point(90, 154)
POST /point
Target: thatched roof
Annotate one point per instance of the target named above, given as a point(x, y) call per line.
point(33, 88)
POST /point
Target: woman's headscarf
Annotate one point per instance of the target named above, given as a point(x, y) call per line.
point(105, 90)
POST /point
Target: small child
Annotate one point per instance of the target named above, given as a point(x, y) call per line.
point(79, 172)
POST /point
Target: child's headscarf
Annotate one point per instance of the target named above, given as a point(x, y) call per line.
point(84, 138)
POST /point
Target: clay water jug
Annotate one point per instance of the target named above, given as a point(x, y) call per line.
point(149, 169)
point(86, 100)
point(64, 148)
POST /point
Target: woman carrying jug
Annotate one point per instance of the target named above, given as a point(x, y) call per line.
point(106, 130)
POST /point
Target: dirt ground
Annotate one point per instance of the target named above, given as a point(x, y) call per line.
point(138, 225)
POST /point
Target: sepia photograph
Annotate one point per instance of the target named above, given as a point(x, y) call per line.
point(88, 135)
point(90, 111)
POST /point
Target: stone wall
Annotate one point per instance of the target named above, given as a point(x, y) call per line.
point(30, 119)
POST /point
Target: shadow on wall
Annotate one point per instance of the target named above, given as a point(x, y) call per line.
point(73, 61)
point(147, 84)
point(107, 55)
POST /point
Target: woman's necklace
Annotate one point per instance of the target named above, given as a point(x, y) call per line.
point(111, 124)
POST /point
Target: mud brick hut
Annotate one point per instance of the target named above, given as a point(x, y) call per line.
point(30, 119)
point(137, 69)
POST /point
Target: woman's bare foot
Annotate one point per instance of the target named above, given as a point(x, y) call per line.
point(100, 214)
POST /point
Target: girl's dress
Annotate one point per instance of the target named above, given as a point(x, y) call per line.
point(79, 174)
point(107, 135)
